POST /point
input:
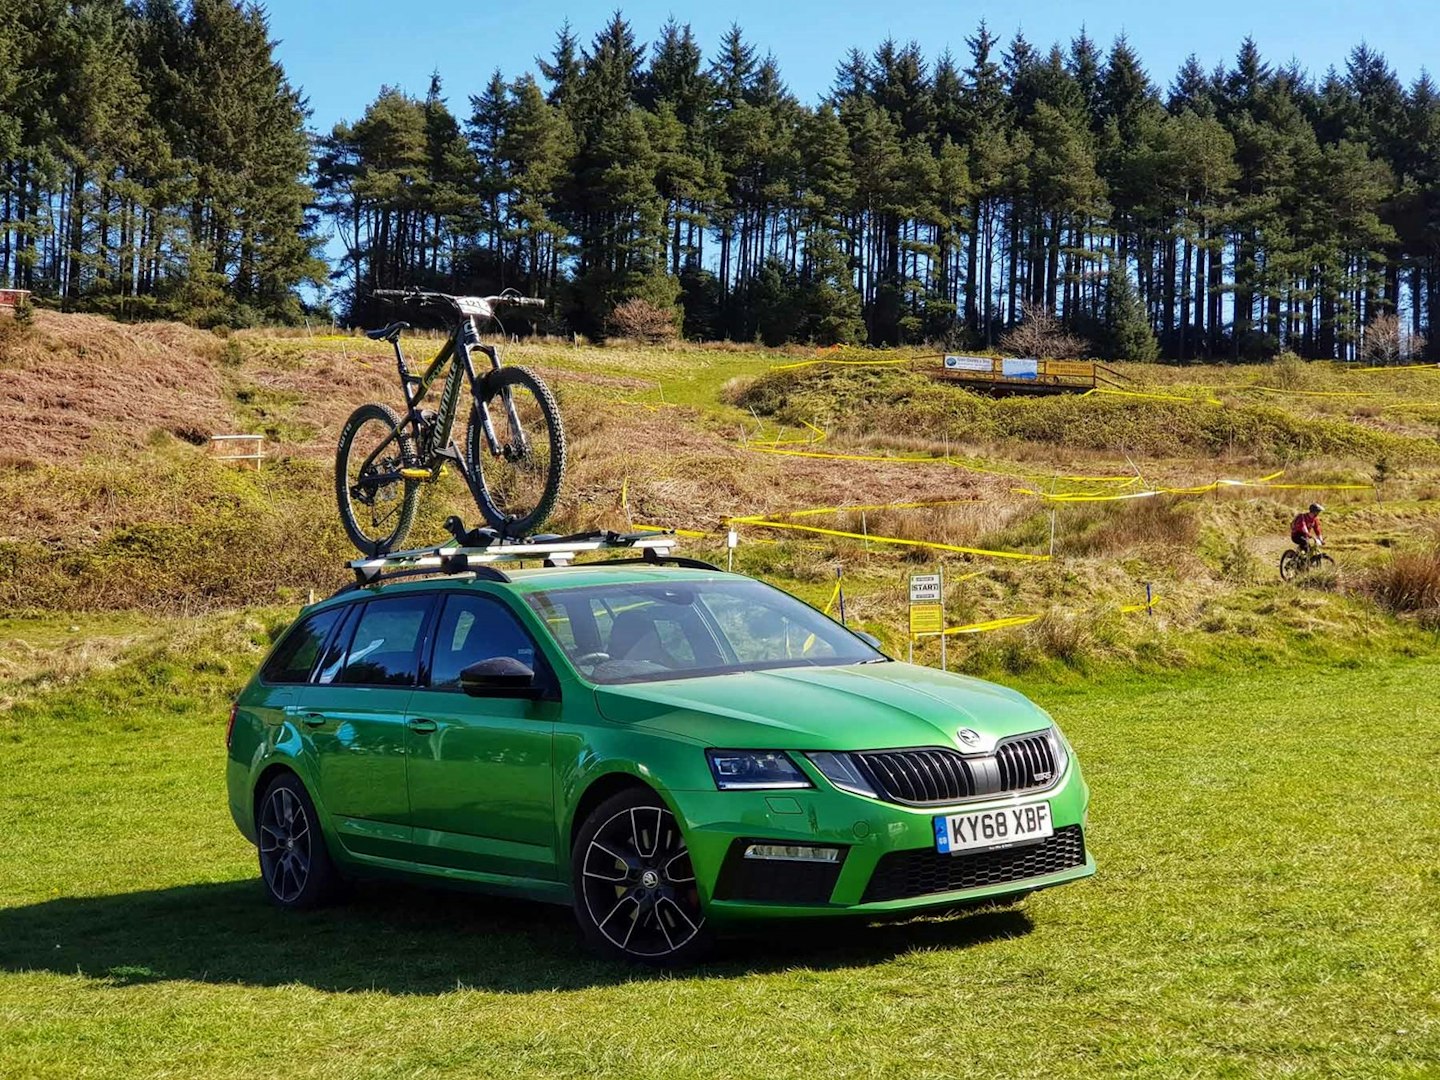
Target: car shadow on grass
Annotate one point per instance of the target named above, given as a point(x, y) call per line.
point(405, 940)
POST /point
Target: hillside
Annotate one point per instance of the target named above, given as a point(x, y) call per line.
point(112, 500)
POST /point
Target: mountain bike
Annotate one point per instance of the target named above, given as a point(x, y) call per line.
point(514, 456)
point(1293, 562)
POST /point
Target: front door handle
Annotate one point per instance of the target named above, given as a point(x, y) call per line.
point(313, 719)
point(420, 725)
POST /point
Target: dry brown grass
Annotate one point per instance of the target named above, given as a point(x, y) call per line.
point(1408, 582)
point(75, 382)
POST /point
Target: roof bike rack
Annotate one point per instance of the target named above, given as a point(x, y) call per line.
point(480, 559)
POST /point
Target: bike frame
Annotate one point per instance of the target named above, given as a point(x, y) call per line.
point(457, 355)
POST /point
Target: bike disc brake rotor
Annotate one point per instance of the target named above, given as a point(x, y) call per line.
point(381, 497)
point(516, 475)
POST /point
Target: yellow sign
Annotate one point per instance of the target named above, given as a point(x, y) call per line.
point(926, 617)
point(1084, 369)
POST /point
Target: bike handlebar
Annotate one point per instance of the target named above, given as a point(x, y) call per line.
point(466, 305)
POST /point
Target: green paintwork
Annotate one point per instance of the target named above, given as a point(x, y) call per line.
point(489, 798)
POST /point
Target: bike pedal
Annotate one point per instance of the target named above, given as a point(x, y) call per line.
point(415, 474)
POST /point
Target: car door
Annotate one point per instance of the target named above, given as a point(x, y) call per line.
point(354, 713)
point(283, 678)
point(480, 768)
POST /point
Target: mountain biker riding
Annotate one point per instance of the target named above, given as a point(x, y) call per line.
point(1305, 530)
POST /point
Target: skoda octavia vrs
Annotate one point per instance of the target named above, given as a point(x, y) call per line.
point(668, 750)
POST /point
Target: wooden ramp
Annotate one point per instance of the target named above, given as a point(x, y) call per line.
point(1024, 375)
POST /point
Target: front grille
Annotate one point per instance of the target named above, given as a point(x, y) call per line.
point(901, 875)
point(775, 881)
point(919, 776)
point(933, 776)
point(1025, 763)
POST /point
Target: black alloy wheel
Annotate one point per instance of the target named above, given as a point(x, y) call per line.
point(294, 863)
point(635, 891)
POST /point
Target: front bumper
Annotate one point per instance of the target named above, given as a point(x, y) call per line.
point(889, 864)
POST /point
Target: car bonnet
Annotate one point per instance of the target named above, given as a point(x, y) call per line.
point(854, 707)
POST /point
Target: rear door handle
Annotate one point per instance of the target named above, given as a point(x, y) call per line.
point(421, 726)
point(313, 719)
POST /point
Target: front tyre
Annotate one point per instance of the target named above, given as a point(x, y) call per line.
point(294, 862)
point(1289, 564)
point(635, 892)
point(520, 474)
point(377, 505)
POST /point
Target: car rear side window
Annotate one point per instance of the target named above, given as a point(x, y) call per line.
point(475, 628)
point(293, 661)
point(385, 648)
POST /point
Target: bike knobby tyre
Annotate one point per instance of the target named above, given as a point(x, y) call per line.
point(384, 535)
point(499, 510)
point(1289, 563)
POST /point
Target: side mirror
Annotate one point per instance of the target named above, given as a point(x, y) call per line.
point(500, 676)
point(869, 639)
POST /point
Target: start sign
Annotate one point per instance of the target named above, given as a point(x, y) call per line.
point(924, 588)
point(927, 616)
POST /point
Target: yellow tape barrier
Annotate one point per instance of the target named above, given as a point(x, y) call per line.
point(1024, 620)
point(1396, 367)
point(763, 523)
point(1312, 393)
point(843, 363)
point(914, 459)
point(1152, 397)
point(1265, 482)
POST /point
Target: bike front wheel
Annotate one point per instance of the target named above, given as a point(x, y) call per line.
point(516, 451)
point(377, 504)
point(1289, 564)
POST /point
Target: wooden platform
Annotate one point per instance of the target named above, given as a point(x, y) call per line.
point(1023, 375)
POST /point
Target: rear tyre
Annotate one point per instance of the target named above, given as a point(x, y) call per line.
point(520, 483)
point(377, 514)
point(1289, 564)
point(294, 862)
point(635, 893)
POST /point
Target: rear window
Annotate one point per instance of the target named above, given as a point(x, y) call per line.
point(385, 648)
point(293, 661)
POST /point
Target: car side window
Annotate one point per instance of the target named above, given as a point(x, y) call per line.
point(334, 659)
point(475, 628)
point(293, 661)
point(385, 648)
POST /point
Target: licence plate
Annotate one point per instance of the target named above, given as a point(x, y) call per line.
point(1000, 827)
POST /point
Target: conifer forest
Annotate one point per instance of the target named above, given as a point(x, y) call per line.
point(157, 162)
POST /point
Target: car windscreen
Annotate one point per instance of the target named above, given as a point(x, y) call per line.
point(653, 630)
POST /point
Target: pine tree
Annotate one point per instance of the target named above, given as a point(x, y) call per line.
point(1128, 335)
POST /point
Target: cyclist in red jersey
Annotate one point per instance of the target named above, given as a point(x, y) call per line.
point(1305, 530)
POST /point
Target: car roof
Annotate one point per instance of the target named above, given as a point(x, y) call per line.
point(537, 579)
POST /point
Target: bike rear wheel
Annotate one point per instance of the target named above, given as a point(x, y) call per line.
point(519, 477)
point(377, 505)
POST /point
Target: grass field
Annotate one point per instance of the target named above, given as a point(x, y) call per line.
point(1266, 905)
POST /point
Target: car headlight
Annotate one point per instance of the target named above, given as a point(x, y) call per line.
point(841, 770)
point(752, 770)
point(1061, 749)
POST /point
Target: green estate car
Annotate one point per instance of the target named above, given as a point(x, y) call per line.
point(669, 749)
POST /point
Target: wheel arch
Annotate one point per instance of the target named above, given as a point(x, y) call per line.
point(265, 778)
point(601, 787)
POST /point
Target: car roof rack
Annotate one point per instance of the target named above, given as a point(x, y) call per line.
point(481, 559)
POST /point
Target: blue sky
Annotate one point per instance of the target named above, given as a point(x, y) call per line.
point(341, 51)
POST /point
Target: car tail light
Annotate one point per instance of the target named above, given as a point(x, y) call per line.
point(230, 726)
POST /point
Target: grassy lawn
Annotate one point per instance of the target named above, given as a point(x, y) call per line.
point(1266, 905)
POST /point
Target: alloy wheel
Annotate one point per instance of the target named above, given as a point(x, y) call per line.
point(638, 884)
point(285, 849)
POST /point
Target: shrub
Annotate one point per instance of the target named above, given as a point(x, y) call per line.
point(1041, 334)
point(1409, 582)
point(643, 321)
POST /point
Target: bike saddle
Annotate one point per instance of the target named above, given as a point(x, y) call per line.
point(388, 333)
